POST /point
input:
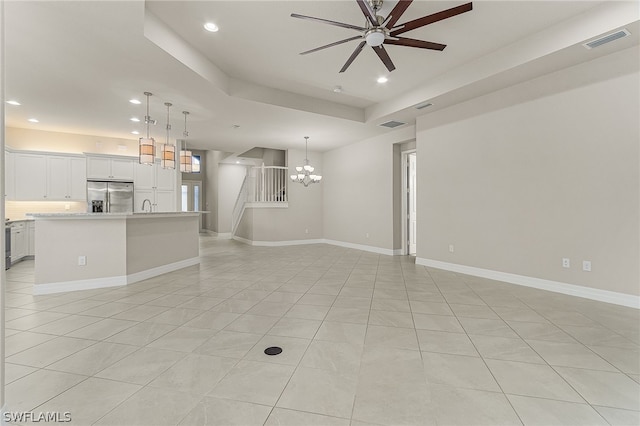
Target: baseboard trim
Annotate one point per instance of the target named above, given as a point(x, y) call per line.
point(539, 283)
point(224, 235)
point(154, 272)
point(362, 247)
point(277, 243)
point(94, 283)
point(371, 249)
point(117, 281)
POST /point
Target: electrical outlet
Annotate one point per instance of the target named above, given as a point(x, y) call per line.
point(67, 207)
point(306, 231)
point(367, 235)
point(451, 250)
point(586, 265)
point(566, 262)
point(82, 260)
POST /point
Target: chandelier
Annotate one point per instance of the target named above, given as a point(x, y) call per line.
point(305, 173)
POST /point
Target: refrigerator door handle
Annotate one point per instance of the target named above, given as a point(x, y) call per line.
point(108, 197)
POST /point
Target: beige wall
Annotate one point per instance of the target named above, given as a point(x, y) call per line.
point(303, 217)
point(155, 241)
point(60, 242)
point(230, 179)
point(38, 140)
point(547, 169)
point(358, 190)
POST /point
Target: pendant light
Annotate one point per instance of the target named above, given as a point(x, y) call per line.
point(305, 173)
point(147, 146)
point(186, 156)
point(168, 158)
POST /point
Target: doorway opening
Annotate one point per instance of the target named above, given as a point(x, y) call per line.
point(409, 205)
point(191, 195)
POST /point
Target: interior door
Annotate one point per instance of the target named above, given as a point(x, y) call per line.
point(412, 203)
point(191, 196)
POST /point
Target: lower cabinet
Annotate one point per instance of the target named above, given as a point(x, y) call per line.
point(19, 241)
point(31, 238)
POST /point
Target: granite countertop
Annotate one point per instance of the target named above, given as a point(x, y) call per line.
point(111, 215)
point(10, 221)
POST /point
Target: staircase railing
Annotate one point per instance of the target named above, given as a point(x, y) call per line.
point(263, 185)
point(270, 184)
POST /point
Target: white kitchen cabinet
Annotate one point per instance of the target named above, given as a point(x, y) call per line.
point(154, 177)
point(19, 241)
point(157, 185)
point(30, 174)
point(165, 201)
point(9, 176)
point(110, 168)
point(66, 178)
point(31, 238)
point(161, 201)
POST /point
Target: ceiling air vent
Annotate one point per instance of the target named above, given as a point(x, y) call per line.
point(423, 105)
point(606, 39)
point(392, 124)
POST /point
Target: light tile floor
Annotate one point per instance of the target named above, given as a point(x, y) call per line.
point(367, 339)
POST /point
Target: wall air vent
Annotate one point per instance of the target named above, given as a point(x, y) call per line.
point(606, 39)
point(392, 124)
point(423, 105)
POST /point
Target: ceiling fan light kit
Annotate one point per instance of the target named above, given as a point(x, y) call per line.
point(380, 31)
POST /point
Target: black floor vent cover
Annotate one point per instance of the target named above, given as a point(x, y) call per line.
point(273, 350)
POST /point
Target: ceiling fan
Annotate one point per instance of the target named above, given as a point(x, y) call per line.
point(379, 30)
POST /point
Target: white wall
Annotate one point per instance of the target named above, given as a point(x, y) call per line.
point(358, 184)
point(519, 179)
point(230, 179)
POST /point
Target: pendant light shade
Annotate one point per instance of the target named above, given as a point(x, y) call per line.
point(186, 156)
point(168, 152)
point(147, 146)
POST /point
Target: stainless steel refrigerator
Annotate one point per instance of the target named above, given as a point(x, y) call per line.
point(109, 197)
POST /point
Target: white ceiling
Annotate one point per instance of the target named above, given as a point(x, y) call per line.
point(74, 65)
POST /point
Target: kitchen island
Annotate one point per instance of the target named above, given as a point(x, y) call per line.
point(81, 251)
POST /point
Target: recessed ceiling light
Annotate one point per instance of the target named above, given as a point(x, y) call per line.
point(33, 120)
point(135, 132)
point(211, 27)
point(16, 103)
point(135, 119)
point(135, 101)
point(237, 162)
point(382, 80)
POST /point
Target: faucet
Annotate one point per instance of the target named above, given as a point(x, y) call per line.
point(146, 200)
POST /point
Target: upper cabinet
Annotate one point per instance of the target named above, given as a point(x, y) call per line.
point(154, 177)
point(30, 172)
point(110, 168)
point(48, 177)
point(66, 178)
point(9, 176)
point(34, 176)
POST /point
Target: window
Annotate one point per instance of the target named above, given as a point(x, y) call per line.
point(196, 164)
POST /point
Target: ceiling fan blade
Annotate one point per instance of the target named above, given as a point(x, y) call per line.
point(353, 56)
point(384, 57)
point(331, 44)
point(397, 12)
point(410, 42)
point(368, 12)
point(430, 19)
point(326, 21)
